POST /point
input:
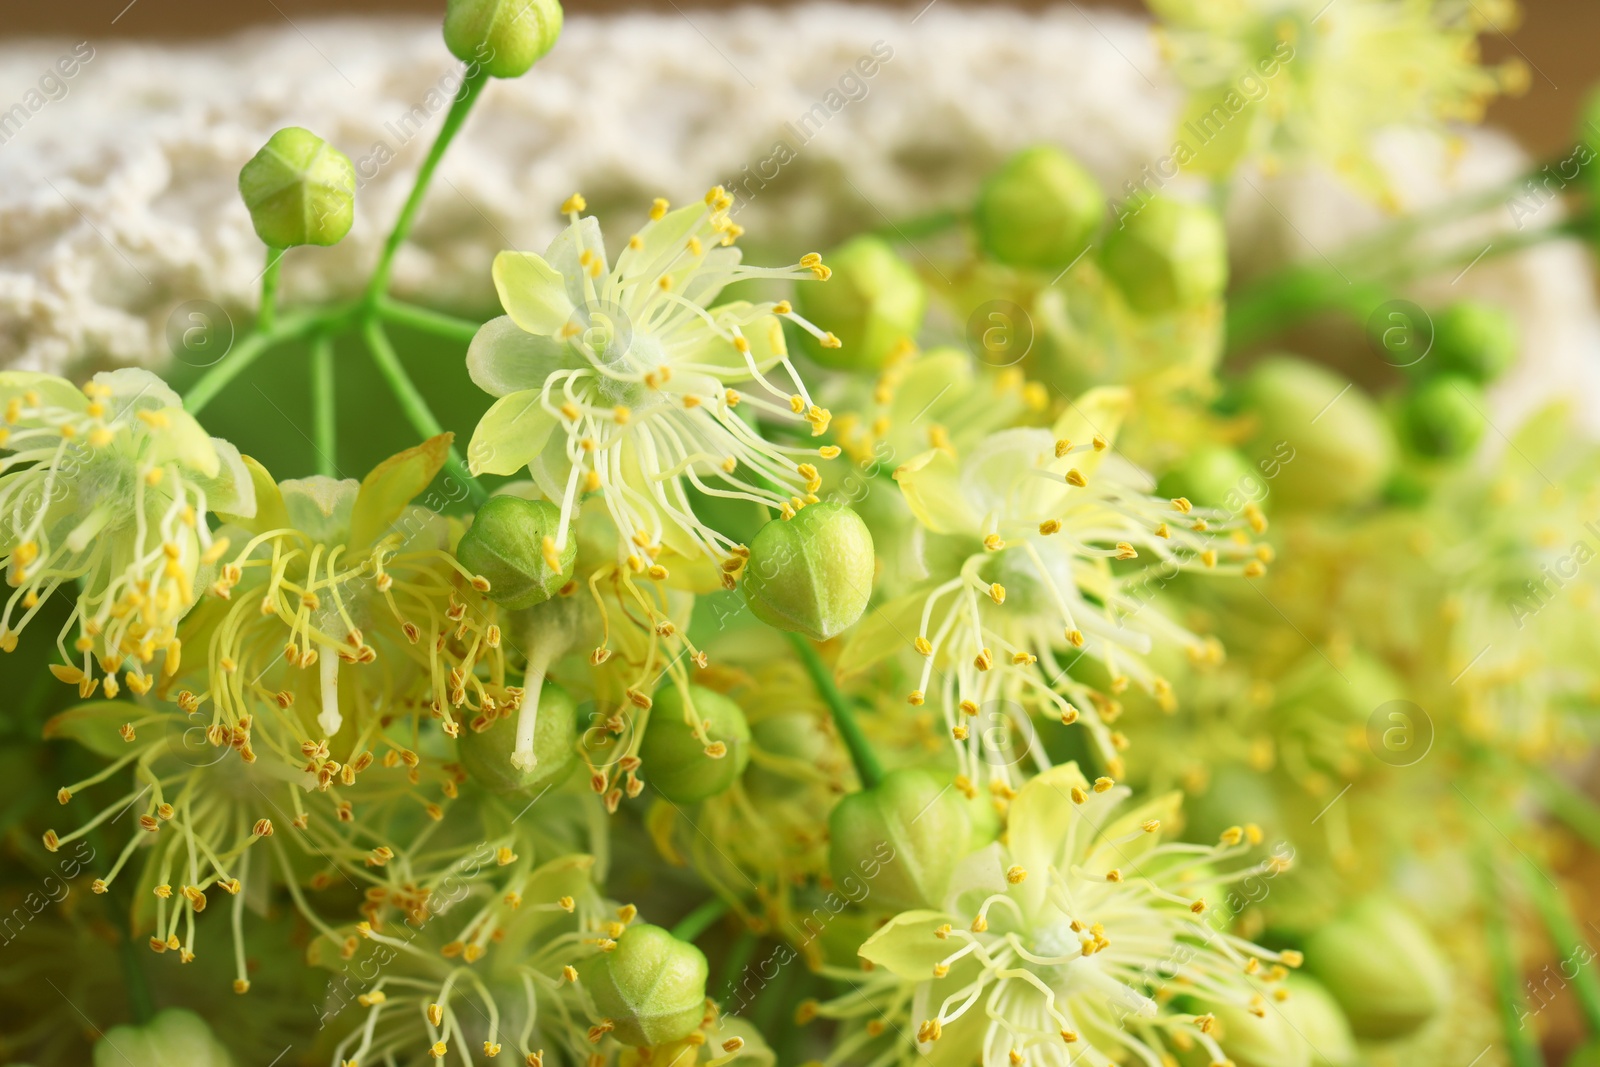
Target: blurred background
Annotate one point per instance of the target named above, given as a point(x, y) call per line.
point(1556, 37)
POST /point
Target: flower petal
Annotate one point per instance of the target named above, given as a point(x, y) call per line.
point(511, 434)
point(504, 358)
point(532, 291)
point(231, 490)
point(390, 487)
point(1043, 820)
point(931, 484)
point(907, 946)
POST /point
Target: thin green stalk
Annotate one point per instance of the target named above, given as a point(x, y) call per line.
point(470, 88)
point(324, 427)
point(700, 919)
point(868, 769)
point(427, 320)
point(1522, 1047)
point(1563, 930)
point(1577, 226)
point(288, 328)
point(412, 403)
point(269, 289)
point(1572, 807)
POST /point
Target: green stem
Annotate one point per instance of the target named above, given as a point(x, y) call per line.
point(1563, 930)
point(269, 289)
point(140, 1004)
point(325, 431)
point(470, 88)
point(412, 403)
point(236, 362)
point(1577, 226)
point(700, 919)
point(1522, 1047)
point(868, 769)
point(427, 320)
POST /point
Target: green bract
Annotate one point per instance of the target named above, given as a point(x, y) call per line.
point(1039, 210)
point(1329, 444)
point(811, 574)
point(684, 767)
point(300, 190)
point(1167, 256)
point(651, 986)
point(506, 37)
point(1381, 966)
point(509, 543)
point(486, 753)
point(1443, 416)
point(872, 303)
point(903, 836)
point(1476, 340)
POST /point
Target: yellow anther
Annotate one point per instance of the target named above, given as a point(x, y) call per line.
point(658, 209)
point(1016, 875)
point(574, 203)
point(1075, 477)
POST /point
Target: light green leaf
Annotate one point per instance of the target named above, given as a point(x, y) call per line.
point(532, 292)
point(908, 946)
point(392, 485)
point(510, 434)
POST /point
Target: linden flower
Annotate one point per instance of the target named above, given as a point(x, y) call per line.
point(1032, 521)
point(617, 380)
point(109, 487)
point(1075, 937)
point(1300, 80)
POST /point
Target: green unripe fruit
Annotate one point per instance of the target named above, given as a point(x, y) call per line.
point(903, 836)
point(793, 735)
point(1475, 340)
point(872, 303)
point(300, 190)
point(486, 755)
point(811, 574)
point(506, 544)
point(1167, 256)
point(1039, 210)
point(505, 37)
point(1213, 477)
point(1319, 1024)
point(172, 1037)
point(651, 986)
point(677, 762)
point(1442, 417)
point(1382, 967)
point(1331, 446)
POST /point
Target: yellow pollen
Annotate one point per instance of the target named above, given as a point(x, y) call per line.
point(573, 204)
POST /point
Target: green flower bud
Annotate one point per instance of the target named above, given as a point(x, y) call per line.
point(507, 544)
point(795, 737)
point(486, 754)
point(903, 836)
point(1039, 210)
point(1473, 339)
point(505, 37)
point(651, 986)
point(300, 190)
point(1381, 966)
point(174, 1036)
point(811, 574)
point(1256, 1041)
point(1442, 417)
point(1329, 445)
point(1319, 1024)
point(872, 303)
point(678, 763)
point(1168, 256)
point(1213, 477)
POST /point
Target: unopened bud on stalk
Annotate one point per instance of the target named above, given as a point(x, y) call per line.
point(1255, 1040)
point(904, 836)
point(1213, 476)
point(486, 755)
point(1381, 966)
point(300, 190)
point(1167, 256)
point(684, 768)
point(1472, 339)
point(1319, 1023)
point(872, 302)
point(1039, 210)
point(650, 986)
point(811, 574)
point(1442, 417)
point(507, 544)
point(505, 37)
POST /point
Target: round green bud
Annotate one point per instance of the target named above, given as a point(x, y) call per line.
point(1473, 339)
point(1442, 417)
point(486, 754)
point(173, 1036)
point(1326, 443)
point(507, 543)
point(1381, 967)
point(300, 190)
point(504, 37)
point(811, 574)
point(1167, 256)
point(1255, 1041)
point(681, 766)
point(1039, 210)
point(872, 303)
point(903, 837)
point(1214, 477)
point(1319, 1023)
point(794, 736)
point(651, 986)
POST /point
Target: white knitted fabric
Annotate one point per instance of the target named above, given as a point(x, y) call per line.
point(118, 201)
